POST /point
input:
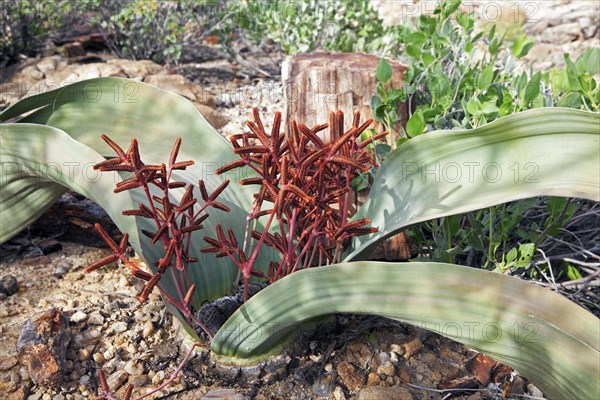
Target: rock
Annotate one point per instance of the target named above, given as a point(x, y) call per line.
point(42, 346)
point(9, 285)
point(387, 368)
point(120, 326)
point(79, 316)
point(49, 246)
point(338, 393)
point(74, 49)
point(323, 388)
point(351, 376)
point(384, 393)
point(95, 318)
point(7, 362)
point(214, 118)
point(373, 379)
point(220, 394)
point(563, 33)
point(99, 358)
point(534, 391)
point(47, 65)
point(116, 380)
point(173, 83)
point(134, 368)
point(137, 69)
point(84, 355)
point(481, 368)
point(110, 70)
point(411, 348)
point(357, 353)
point(148, 329)
point(380, 358)
point(252, 374)
point(60, 270)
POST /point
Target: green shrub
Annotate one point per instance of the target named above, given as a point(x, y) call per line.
point(26, 25)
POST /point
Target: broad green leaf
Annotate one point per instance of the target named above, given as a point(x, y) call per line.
point(384, 71)
point(415, 124)
point(511, 320)
point(521, 46)
point(541, 152)
point(533, 87)
point(589, 61)
point(486, 77)
point(572, 74)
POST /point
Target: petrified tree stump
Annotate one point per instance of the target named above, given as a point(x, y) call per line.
point(318, 83)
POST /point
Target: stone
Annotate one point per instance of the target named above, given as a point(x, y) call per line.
point(74, 49)
point(95, 318)
point(110, 70)
point(117, 379)
point(411, 348)
point(220, 394)
point(79, 316)
point(119, 326)
point(99, 358)
point(134, 368)
point(137, 69)
point(373, 379)
point(350, 375)
point(84, 355)
point(480, 367)
point(173, 83)
point(42, 346)
point(148, 329)
point(386, 368)
point(338, 393)
point(47, 65)
point(384, 393)
point(358, 353)
point(7, 362)
point(9, 285)
point(563, 33)
point(212, 116)
point(534, 391)
point(323, 387)
point(88, 71)
point(380, 358)
point(61, 270)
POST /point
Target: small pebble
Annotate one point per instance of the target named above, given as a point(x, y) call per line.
point(120, 326)
point(386, 368)
point(99, 358)
point(84, 355)
point(79, 316)
point(133, 368)
point(7, 362)
point(148, 329)
point(328, 367)
point(92, 334)
point(158, 378)
point(60, 270)
point(85, 380)
point(95, 318)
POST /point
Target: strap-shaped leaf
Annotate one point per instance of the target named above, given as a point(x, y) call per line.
point(124, 109)
point(39, 163)
point(550, 340)
point(542, 152)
